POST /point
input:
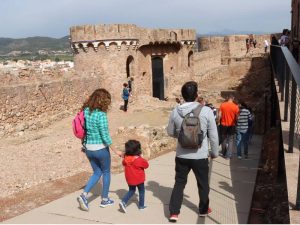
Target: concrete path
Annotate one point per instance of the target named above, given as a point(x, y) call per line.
point(232, 184)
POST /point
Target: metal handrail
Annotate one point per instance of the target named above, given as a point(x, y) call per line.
point(286, 68)
point(292, 63)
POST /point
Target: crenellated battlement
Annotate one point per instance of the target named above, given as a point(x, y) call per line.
point(128, 34)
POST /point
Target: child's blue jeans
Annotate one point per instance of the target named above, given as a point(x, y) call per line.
point(130, 193)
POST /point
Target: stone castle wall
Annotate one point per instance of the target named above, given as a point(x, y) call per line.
point(125, 32)
point(39, 103)
point(214, 52)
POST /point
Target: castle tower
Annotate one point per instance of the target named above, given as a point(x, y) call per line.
point(157, 59)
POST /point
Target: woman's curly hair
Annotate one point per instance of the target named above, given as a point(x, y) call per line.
point(100, 99)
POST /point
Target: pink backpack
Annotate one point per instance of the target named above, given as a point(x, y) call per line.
point(78, 125)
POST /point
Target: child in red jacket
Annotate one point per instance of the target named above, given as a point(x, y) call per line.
point(134, 166)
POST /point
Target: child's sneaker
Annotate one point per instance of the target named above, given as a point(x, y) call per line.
point(122, 206)
point(83, 203)
point(107, 202)
point(173, 218)
point(203, 214)
point(142, 207)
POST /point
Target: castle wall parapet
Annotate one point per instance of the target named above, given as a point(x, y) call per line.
point(128, 34)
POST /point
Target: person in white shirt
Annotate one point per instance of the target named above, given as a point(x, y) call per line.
point(266, 45)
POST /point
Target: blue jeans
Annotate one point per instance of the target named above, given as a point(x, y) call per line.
point(241, 139)
point(100, 162)
point(130, 193)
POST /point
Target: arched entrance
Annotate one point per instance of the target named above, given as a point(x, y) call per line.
point(129, 66)
point(158, 78)
point(190, 58)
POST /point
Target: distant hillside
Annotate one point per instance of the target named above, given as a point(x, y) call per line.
point(33, 44)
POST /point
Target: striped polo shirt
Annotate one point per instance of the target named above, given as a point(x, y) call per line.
point(243, 120)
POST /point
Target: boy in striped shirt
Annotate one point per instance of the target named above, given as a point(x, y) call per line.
point(242, 130)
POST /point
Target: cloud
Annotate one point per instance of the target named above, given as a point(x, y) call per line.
point(53, 18)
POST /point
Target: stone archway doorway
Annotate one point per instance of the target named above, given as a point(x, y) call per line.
point(129, 66)
point(158, 78)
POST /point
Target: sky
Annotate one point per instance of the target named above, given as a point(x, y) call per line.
point(53, 18)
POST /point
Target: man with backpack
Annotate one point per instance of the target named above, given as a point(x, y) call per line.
point(190, 122)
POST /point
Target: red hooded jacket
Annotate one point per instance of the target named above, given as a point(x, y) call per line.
point(134, 169)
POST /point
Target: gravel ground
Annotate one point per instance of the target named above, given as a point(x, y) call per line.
point(52, 153)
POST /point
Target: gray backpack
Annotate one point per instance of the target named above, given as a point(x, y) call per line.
point(191, 135)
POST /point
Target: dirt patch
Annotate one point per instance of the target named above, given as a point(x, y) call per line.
point(39, 195)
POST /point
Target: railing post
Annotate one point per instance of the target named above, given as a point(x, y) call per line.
point(297, 206)
point(287, 92)
point(292, 115)
point(283, 77)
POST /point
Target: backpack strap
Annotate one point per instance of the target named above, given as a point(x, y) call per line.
point(196, 111)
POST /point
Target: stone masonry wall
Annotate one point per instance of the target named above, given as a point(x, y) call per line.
point(128, 31)
point(236, 43)
point(37, 104)
point(213, 52)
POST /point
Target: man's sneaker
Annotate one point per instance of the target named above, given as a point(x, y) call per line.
point(107, 202)
point(239, 157)
point(83, 203)
point(246, 156)
point(173, 218)
point(142, 207)
point(203, 214)
point(122, 206)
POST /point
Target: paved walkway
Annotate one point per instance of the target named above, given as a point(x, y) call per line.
point(232, 184)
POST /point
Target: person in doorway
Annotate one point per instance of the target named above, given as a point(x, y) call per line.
point(254, 43)
point(134, 166)
point(266, 45)
point(242, 130)
point(251, 40)
point(192, 159)
point(125, 96)
point(251, 125)
point(247, 44)
point(130, 84)
point(274, 40)
point(228, 114)
point(284, 39)
point(201, 100)
point(178, 101)
point(213, 108)
point(97, 145)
